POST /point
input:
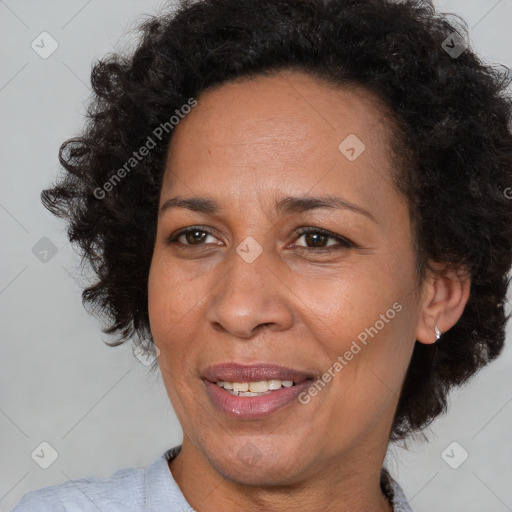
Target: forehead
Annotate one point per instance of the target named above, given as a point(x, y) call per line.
point(289, 131)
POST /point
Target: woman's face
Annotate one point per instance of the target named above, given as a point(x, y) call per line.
point(244, 292)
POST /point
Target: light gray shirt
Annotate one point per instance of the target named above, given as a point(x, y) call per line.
point(151, 489)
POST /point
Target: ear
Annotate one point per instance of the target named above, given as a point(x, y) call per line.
point(443, 299)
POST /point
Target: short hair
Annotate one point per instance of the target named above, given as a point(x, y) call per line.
point(452, 148)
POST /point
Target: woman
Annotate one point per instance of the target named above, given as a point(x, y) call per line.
point(302, 206)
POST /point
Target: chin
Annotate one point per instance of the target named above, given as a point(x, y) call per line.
point(258, 462)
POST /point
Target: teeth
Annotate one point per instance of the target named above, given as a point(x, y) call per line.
point(240, 386)
point(258, 387)
point(274, 384)
point(254, 388)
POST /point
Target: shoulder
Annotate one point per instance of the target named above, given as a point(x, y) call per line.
point(394, 492)
point(123, 491)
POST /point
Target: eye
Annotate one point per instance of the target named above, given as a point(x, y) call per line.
point(195, 235)
point(313, 237)
point(318, 237)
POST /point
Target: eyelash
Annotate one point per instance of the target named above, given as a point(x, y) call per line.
point(343, 242)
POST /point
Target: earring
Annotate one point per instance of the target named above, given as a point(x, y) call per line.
point(438, 333)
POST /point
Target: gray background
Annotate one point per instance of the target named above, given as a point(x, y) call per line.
point(99, 407)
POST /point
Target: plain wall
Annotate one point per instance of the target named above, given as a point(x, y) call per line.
point(98, 407)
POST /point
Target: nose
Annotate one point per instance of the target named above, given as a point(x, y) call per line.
point(250, 297)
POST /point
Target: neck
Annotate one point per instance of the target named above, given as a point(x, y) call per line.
point(330, 486)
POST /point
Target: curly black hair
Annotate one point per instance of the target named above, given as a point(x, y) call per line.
point(453, 144)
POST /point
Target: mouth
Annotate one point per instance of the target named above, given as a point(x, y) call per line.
point(253, 391)
point(256, 388)
point(256, 372)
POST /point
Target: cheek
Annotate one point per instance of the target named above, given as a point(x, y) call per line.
point(168, 304)
point(367, 316)
point(157, 300)
point(169, 300)
point(343, 302)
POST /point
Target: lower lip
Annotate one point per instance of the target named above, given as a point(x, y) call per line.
point(252, 407)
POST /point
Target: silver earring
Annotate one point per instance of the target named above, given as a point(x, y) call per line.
point(438, 333)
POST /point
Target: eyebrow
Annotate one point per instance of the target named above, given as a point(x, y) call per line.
point(283, 206)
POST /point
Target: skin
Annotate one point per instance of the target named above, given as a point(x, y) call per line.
point(247, 144)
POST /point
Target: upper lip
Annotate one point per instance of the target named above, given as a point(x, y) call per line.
point(234, 372)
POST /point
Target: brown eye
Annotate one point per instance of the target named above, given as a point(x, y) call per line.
point(191, 236)
point(318, 238)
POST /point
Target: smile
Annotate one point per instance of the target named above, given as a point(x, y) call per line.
point(258, 388)
point(253, 405)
